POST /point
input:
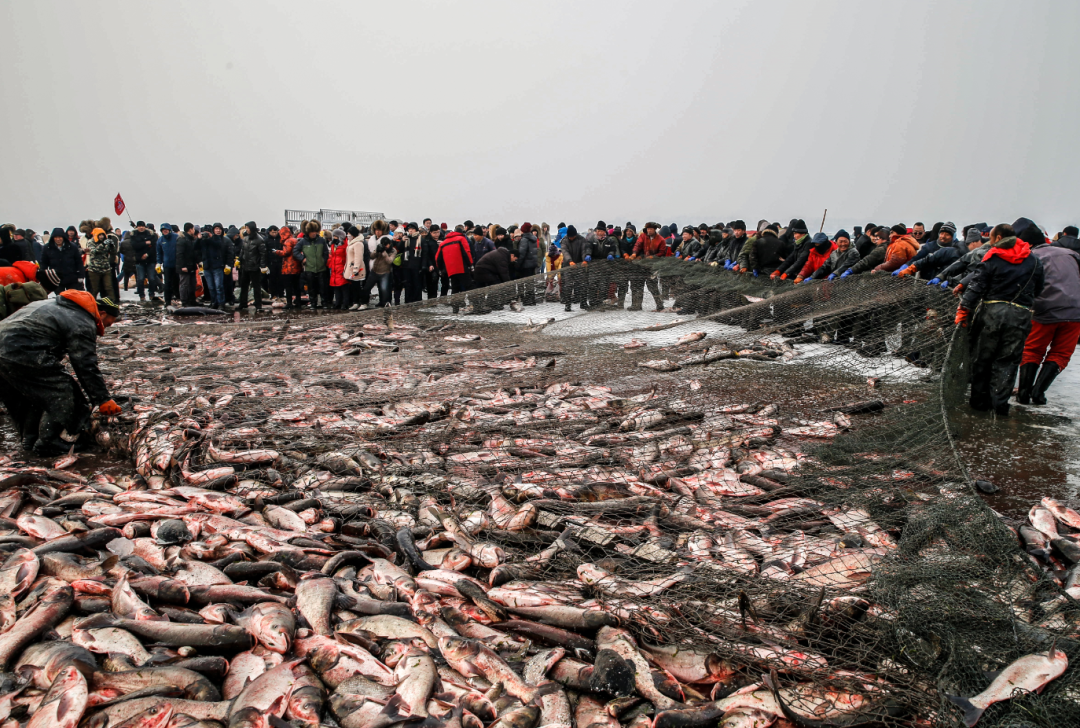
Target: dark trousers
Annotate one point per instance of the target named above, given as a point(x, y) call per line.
point(414, 284)
point(101, 285)
point(318, 286)
point(397, 281)
point(43, 403)
point(341, 296)
point(292, 289)
point(275, 282)
point(358, 293)
point(527, 287)
point(172, 284)
point(187, 288)
point(384, 284)
point(1000, 330)
point(444, 283)
point(145, 273)
point(431, 282)
point(251, 279)
point(575, 285)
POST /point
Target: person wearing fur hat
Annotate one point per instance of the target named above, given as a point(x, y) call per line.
point(48, 406)
point(999, 297)
point(312, 251)
point(61, 264)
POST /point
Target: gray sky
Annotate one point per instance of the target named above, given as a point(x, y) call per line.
point(512, 111)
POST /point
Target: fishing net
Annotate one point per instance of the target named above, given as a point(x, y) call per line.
point(781, 493)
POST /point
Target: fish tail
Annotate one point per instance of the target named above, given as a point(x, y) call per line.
point(971, 712)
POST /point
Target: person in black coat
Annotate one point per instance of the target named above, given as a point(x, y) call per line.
point(47, 405)
point(61, 264)
point(11, 250)
point(275, 284)
point(490, 270)
point(412, 264)
point(429, 247)
point(1002, 290)
point(528, 257)
point(143, 251)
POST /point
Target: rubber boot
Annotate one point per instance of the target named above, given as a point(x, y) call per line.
point(659, 303)
point(1027, 379)
point(636, 297)
point(1049, 371)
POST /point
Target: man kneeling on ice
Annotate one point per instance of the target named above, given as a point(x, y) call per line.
point(45, 403)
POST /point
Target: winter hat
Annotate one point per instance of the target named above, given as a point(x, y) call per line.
point(689, 229)
point(820, 240)
point(738, 225)
point(140, 223)
point(412, 226)
point(571, 231)
point(95, 232)
point(665, 232)
point(841, 233)
point(526, 227)
point(272, 229)
point(797, 226)
point(601, 225)
point(973, 236)
point(57, 233)
point(652, 225)
point(106, 305)
point(478, 231)
point(166, 228)
point(197, 229)
point(1032, 235)
point(500, 231)
point(948, 227)
point(1022, 224)
point(728, 230)
point(858, 231)
point(339, 233)
point(899, 228)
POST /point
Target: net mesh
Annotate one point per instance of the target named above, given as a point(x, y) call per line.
point(761, 472)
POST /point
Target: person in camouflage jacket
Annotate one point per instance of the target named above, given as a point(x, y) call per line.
point(100, 255)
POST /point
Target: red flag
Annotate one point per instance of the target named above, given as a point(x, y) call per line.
point(118, 204)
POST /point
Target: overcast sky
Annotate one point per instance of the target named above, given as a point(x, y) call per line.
point(556, 111)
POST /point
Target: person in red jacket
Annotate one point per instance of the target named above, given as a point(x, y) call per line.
point(649, 245)
point(339, 287)
point(454, 256)
point(820, 250)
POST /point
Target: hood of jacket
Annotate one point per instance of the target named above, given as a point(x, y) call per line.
point(86, 302)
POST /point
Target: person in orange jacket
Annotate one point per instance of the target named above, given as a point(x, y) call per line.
point(47, 405)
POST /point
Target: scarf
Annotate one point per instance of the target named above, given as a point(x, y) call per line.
point(1014, 255)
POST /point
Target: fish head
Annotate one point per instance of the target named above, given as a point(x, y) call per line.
point(324, 656)
point(157, 716)
point(457, 648)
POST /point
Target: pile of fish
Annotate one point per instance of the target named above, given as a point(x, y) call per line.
point(1051, 537)
point(370, 524)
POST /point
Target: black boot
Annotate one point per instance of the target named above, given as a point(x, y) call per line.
point(1046, 375)
point(1027, 379)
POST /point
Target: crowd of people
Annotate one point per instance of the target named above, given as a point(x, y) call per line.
point(1019, 290)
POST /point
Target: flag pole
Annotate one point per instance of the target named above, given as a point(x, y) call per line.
point(822, 228)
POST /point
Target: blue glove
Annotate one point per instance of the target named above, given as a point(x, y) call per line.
point(832, 277)
point(678, 254)
point(944, 285)
point(846, 273)
point(691, 258)
point(755, 274)
point(588, 259)
point(611, 257)
point(899, 270)
point(806, 280)
point(727, 264)
point(933, 281)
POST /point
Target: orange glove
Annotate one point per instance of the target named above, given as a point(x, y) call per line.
point(957, 288)
point(910, 270)
point(783, 277)
point(799, 279)
point(962, 315)
point(626, 257)
point(109, 409)
point(774, 274)
point(572, 264)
